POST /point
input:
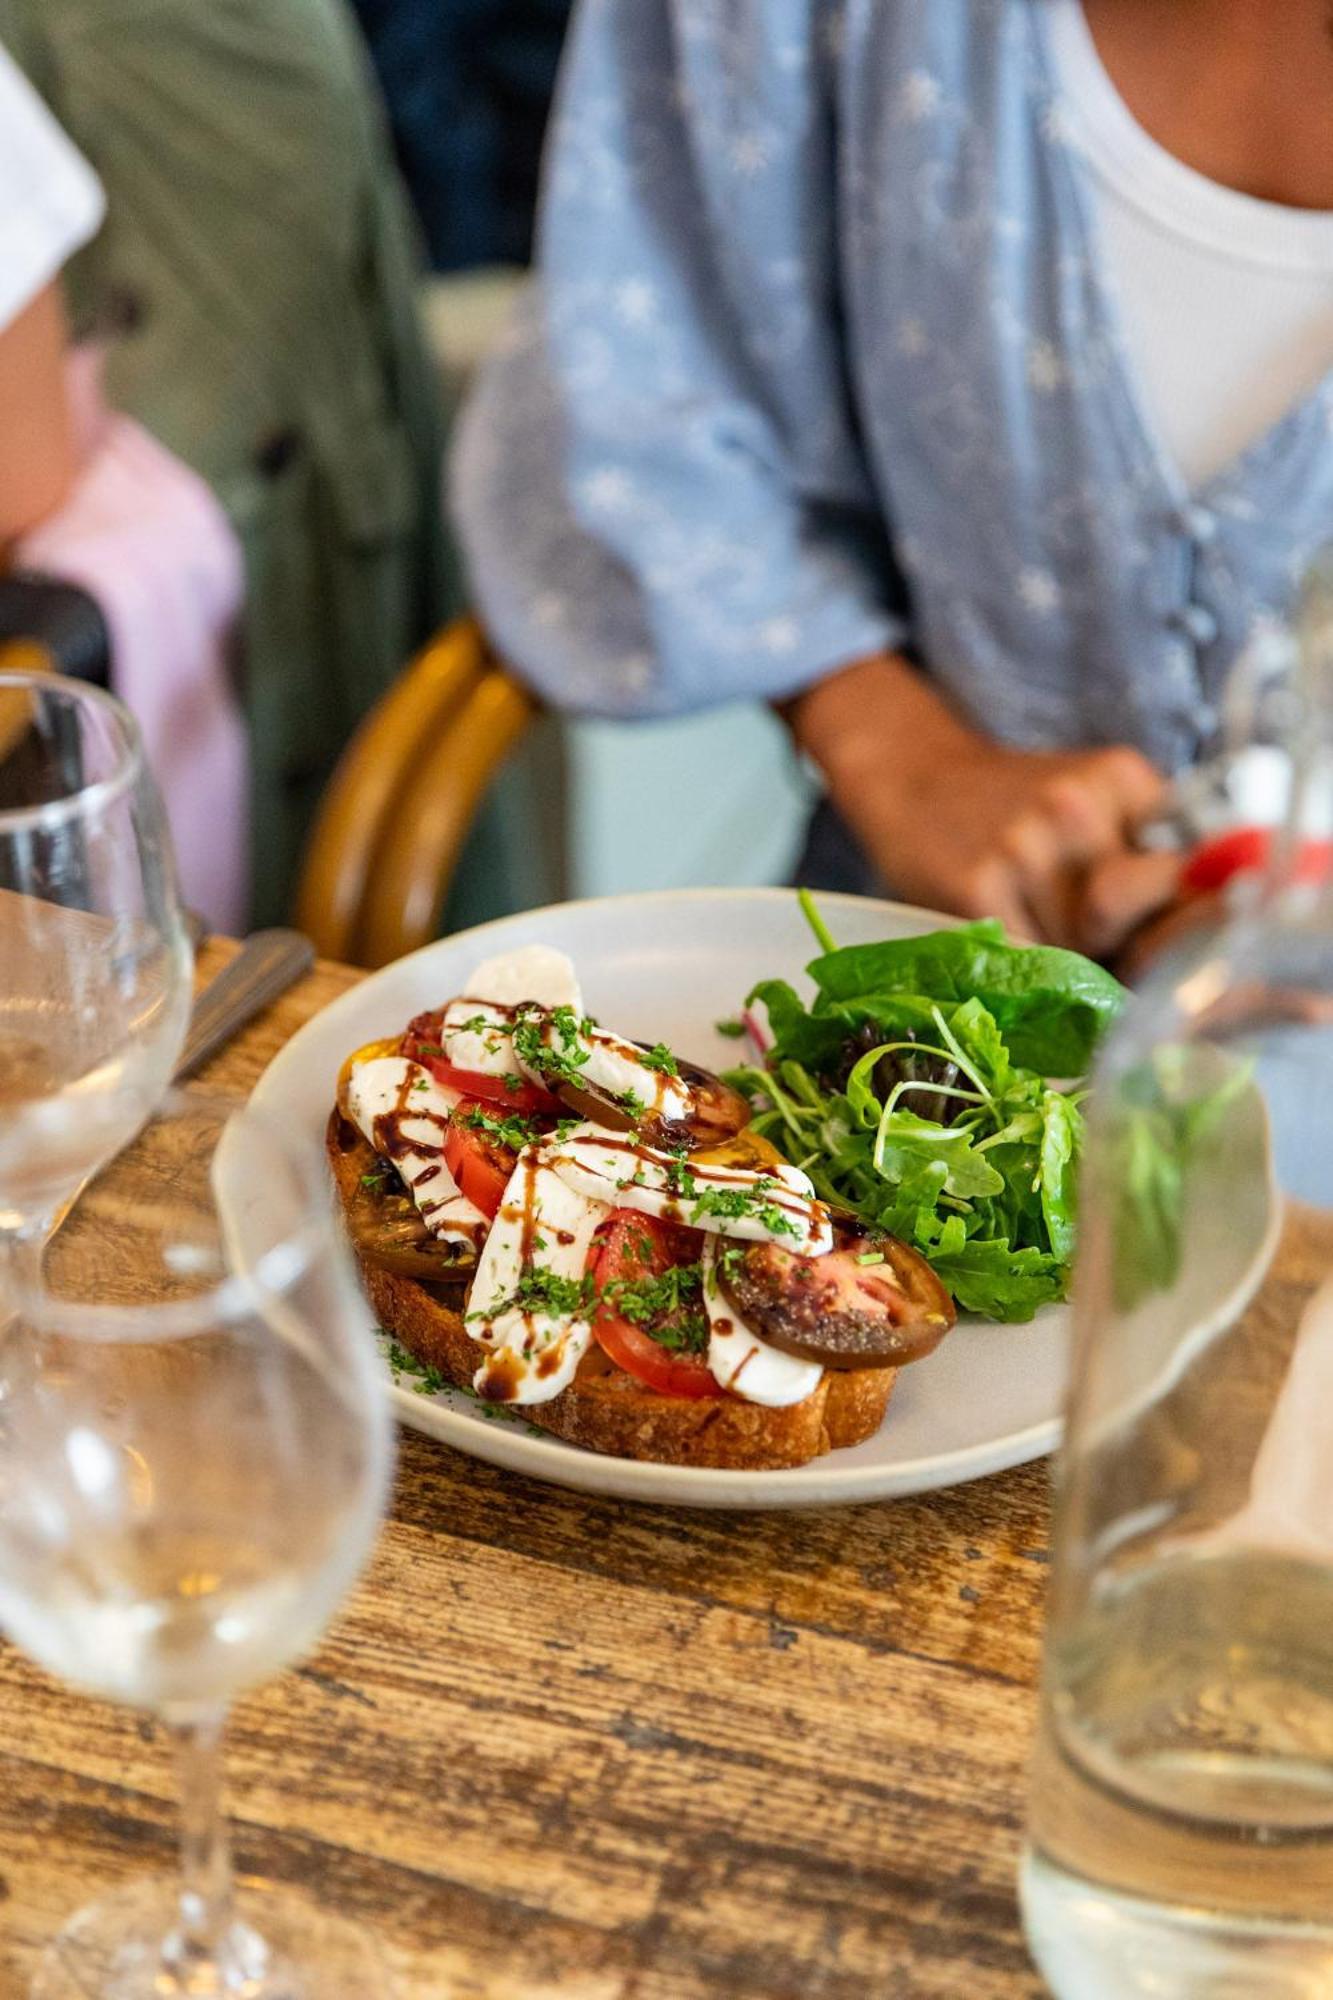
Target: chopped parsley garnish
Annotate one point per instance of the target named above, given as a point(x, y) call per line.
point(629, 1100)
point(513, 1131)
point(872, 1257)
point(660, 1058)
point(733, 1030)
point(540, 1291)
point(667, 1307)
point(730, 1204)
point(558, 1062)
point(480, 1024)
point(375, 1180)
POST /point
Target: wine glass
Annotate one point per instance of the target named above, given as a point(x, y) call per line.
point(194, 1451)
point(94, 959)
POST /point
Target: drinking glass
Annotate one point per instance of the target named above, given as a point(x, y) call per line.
point(94, 959)
point(194, 1450)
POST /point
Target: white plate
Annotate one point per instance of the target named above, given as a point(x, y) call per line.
point(666, 968)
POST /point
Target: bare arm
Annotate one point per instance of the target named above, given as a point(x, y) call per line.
point(955, 821)
point(37, 461)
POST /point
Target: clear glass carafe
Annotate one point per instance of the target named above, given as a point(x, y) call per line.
point(1181, 1831)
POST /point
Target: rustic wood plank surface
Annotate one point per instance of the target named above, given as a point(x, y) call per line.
point(563, 1745)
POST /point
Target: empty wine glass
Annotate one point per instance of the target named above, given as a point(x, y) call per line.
point(94, 960)
point(194, 1451)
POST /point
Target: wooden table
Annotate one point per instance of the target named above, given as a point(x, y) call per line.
point(567, 1746)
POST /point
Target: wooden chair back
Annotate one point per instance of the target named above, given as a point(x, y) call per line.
point(393, 822)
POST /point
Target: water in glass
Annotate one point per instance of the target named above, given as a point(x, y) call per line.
point(194, 1448)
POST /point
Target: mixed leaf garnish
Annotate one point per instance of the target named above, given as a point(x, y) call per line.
point(931, 1087)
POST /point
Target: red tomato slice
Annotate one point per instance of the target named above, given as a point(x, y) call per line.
point(479, 1163)
point(526, 1097)
point(631, 1247)
point(421, 1043)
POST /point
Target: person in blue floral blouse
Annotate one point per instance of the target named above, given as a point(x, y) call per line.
point(959, 375)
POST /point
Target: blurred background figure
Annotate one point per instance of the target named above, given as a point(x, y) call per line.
point(958, 377)
point(102, 532)
point(255, 296)
point(468, 84)
point(52, 205)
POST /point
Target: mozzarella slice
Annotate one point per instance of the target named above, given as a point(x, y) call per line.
point(477, 1033)
point(477, 1036)
point(608, 1065)
point(770, 1205)
point(536, 972)
point(745, 1364)
point(401, 1110)
point(544, 1227)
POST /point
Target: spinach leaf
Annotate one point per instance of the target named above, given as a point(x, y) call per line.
point(1050, 1006)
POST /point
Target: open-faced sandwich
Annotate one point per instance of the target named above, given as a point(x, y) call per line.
point(555, 1217)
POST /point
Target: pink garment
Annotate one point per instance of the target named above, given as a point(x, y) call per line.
point(145, 537)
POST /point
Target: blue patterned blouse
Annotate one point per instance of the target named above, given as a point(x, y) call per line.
point(824, 358)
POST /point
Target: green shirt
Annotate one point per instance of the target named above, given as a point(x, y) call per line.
point(257, 278)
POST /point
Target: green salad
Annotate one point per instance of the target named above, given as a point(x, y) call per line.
point(919, 1088)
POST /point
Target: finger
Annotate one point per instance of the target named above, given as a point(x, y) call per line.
point(1047, 872)
point(1085, 817)
point(1189, 914)
point(1121, 893)
point(1132, 788)
point(995, 891)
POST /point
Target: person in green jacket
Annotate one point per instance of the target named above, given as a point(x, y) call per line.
point(256, 285)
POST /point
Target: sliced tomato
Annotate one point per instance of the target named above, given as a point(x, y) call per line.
point(529, 1098)
point(631, 1247)
point(421, 1043)
point(478, 1161)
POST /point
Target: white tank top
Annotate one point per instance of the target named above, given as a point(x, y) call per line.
point(1227, 302)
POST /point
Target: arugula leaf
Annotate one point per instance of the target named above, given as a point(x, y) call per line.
point(1051, 1006)
point(910, 1143)
point(987, 1275)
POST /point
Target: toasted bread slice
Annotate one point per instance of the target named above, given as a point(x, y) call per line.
point(604, 1409)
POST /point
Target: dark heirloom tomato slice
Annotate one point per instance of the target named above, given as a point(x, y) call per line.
point(630, 1251)
point(478, 1161)
point(870, 1303)
point(421, 1043)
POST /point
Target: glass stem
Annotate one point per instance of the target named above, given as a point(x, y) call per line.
point(22, 1244)
point(201, 1939)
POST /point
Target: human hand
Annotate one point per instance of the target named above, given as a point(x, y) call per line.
point(954, 821)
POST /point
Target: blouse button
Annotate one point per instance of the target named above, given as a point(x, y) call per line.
point(1198, 623)
point(1199, 523)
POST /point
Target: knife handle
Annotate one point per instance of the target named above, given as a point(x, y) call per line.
point(265, 966)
